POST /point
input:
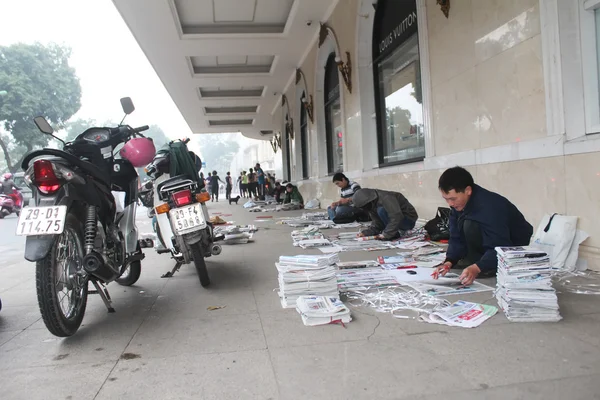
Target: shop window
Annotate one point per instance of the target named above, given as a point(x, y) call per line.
point(304, 138)
point(397, 74)
point(333, 118)
point(590, 43)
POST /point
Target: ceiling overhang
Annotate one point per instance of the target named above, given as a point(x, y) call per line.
point(225, 63)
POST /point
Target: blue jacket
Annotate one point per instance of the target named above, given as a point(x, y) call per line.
point(501, 224)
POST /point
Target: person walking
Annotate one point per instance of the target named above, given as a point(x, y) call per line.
point(229, 185)
point(244, 184)
point(260, 177)
point(252, 184)
point(239, 184)
point(214, 186)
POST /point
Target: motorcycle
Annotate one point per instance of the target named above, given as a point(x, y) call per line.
point(177, 206)
point(7, 206)
point(74, 232)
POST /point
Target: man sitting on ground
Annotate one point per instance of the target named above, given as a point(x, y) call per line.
point(293, 196)
point(390, 213)
point(343, 207)
point(278, 192)
point(480, 221)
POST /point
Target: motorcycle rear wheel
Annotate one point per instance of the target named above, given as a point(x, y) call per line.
point(57, 280)
point(200, 264)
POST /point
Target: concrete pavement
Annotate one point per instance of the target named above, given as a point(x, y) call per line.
point(163, 343)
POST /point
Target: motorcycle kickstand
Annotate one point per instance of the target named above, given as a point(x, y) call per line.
point(103, 292)
point(172, 272)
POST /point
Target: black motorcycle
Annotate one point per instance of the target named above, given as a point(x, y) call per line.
point(75, 232)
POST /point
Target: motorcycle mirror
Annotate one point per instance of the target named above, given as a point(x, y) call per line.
point(43, 125)
point(127, 105)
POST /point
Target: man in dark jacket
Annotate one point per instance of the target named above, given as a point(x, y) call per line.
point(293, 196)
point(390, 212)
point(480, 221)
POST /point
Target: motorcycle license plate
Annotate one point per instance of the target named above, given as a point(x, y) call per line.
point(42, 220)
point(187, 219)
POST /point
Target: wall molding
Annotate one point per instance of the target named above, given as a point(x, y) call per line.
point(551, 62)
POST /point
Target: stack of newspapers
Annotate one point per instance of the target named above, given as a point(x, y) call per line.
point(524, 289)
point(306, 275)
point(322, 310)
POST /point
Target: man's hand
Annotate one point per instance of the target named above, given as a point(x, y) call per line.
point(335, 204)
point(360, 234)
point(442, 270)
point(469, 274)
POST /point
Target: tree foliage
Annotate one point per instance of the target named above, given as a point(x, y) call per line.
point(218, 151)
point(75, 127)
point(38, 81)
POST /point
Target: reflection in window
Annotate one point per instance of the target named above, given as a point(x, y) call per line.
point(401, 133)
point(333, 118)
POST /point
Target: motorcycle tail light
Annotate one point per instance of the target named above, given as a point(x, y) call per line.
point(182, 198)
point(163, 208)
point(44, 177)
point(202, 197)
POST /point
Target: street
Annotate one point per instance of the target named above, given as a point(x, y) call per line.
point(166, 340)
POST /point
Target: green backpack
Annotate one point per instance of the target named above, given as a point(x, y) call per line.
point(182, 163)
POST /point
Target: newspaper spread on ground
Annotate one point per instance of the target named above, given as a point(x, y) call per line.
point(462, 314)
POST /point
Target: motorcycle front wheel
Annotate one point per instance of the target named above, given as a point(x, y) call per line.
point(62, 288)
point(200, 264)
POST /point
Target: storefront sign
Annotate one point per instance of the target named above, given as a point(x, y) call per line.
point(395, 21)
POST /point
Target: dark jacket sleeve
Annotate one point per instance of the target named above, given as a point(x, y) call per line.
point(296, 196)
point(392, 206)
point(376, 224)
point(457, 248)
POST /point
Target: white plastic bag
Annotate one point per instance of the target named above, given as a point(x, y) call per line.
point(555, 235)
point(312, 204)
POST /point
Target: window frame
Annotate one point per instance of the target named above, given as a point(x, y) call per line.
point(304, 137)
point(331, 63)
point(288, 150)
point(590, 64)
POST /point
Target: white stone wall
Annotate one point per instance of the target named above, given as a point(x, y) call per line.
point(487, 106)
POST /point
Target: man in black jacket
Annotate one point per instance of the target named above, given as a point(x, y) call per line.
point(390, 212)
point(480, 221)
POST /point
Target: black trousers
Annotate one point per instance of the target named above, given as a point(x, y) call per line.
point(475, 249)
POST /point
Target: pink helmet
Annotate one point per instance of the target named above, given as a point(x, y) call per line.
point(7, 175)
point(138, 151)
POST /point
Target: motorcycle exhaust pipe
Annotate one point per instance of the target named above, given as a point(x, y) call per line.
point(95, 265)
point(215, 250)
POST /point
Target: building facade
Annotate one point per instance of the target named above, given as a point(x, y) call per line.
point(398, 91)
point(392, 92)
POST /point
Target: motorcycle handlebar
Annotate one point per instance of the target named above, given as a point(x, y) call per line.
point(141, 128)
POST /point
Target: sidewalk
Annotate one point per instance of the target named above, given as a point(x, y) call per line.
point(163, 343)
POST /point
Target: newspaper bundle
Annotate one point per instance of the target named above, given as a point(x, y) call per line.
point(524, 288)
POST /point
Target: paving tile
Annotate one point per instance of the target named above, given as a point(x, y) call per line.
point(69, 381)
point(284, 328)
point(578, 388)
point(173, 335)
point(238, 375)
point(195, 303)
point(18, 318)
point(383, 369)
point(93, 343)
point(514, 353)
